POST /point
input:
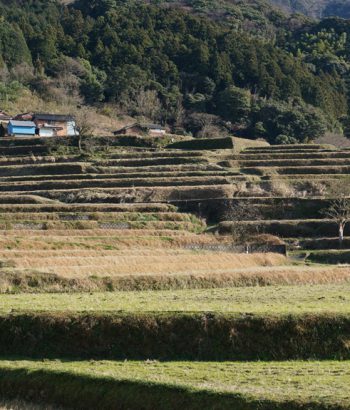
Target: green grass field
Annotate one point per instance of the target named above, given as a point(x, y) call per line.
point(273, 385)
point(256, 300)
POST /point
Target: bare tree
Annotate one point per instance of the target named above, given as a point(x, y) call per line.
point(211, 131)
point(339, 205)
point(144, 103)
point(85, 126)
point(339, 212)
point(148, 104)
point(24, 73)
point(238, 212)
point(4, 74)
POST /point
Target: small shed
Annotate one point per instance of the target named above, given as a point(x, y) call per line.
point(21, 128)
point(153, 130)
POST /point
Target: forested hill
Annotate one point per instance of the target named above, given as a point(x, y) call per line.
point(255, 71)
point(316, 8)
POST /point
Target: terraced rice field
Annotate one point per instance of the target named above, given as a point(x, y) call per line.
point(120, 289)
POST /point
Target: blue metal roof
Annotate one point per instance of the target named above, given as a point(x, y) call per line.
point(26, 124)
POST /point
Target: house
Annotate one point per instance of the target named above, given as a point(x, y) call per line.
point(17, 128)
point(153, 130)
point(55, 125)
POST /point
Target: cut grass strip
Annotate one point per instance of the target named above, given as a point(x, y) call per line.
point(138, 207)
point(287, 155)
point(125, 175)
point(286, 300)
point(111, 183)
point(97, 216)
point(118, 224)
point(191, 386)
point(309, 162)
point(297, 170)
point(292, 147)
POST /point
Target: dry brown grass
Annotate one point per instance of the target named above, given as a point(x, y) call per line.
point(261, 270)
point(242, 143)
point(140, 262)
point(29, 281)
point(29, 244)
point(69, 233)
point(137, 194)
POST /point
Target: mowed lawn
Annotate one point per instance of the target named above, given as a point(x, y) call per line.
point(255, 300)
point(311, 382)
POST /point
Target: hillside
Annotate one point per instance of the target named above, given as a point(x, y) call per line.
point(180, 66)
point(317, 9)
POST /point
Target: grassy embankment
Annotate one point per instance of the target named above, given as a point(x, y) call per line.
point(256, 323)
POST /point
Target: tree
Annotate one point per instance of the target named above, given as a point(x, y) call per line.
point(147, 104)
point(237, 212)
point(339, 212)
point(338, 209)
point(288, 123)
point(85, 126)
point(234, 104)
point(200, 123)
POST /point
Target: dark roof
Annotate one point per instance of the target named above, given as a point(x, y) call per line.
point(53, 117)
point(142, 126)
point(22, 123)
point(24, 116)
point(153, 126)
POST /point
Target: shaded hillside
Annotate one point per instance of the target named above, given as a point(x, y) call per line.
point(318, 9)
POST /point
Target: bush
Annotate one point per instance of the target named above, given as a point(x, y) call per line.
point(287, 123)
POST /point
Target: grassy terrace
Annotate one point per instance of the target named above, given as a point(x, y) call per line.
point(270, 300)
point(191, 385)
point(96, 265)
